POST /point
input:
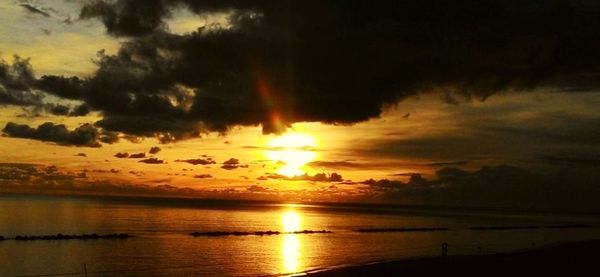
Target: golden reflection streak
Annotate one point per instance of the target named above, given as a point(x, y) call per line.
point(291, 247)
point(291, 252)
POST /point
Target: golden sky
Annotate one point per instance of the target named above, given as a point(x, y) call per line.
point(312, 155)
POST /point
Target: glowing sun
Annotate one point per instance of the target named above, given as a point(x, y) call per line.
point(292, 151)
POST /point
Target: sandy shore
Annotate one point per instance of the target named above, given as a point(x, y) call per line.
point(569, 259)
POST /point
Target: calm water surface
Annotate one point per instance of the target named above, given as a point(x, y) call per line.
point(163, 246)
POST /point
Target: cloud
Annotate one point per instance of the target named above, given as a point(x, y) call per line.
point(81, 110)
point(206, 161)
point(137, 155)
point(573, 160)
point(151, 161)
point(319, 177)
point(499, 186)
point(84, 135)
point(122, 155)
point(153, 150)
point(58, 109)
point(112, 171)
point(15, 82)
point(202, 176)
point(109, 137)
point(257, 188)
point(17, 171)
point(20, 174)
point(350, 165)
point(232, 164)
point(33, 9)
point(448, 163)
point(279, 62)
point(339, 164)
point(17, 87)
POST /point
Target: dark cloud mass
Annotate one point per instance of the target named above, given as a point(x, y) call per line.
point(84, 135)
point(280, 62)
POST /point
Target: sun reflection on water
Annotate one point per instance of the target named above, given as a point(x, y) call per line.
point(290, 221)
point(291, 246)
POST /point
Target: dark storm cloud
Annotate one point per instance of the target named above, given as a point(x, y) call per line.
point(84, 135)
point(335, 62)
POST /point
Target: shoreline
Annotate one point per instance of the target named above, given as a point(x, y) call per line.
point(567, 259)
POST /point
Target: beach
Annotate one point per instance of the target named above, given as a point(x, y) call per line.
point(567, 259)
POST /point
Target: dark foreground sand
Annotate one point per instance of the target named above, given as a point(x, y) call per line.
point(568, 259)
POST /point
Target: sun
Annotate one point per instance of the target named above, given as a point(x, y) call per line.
point(292, 151)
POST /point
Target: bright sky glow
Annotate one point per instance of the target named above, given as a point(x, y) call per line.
point(292, 151)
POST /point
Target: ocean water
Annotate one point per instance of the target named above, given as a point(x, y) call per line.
point(162, 245)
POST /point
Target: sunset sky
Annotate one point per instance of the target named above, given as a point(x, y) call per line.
point(496, 105)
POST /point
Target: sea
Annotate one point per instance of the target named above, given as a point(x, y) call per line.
point(162, 245)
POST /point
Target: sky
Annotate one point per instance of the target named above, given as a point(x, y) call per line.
point(453, 103)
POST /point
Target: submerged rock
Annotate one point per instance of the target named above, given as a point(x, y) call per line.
point(69, 237)
point(257, 233)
